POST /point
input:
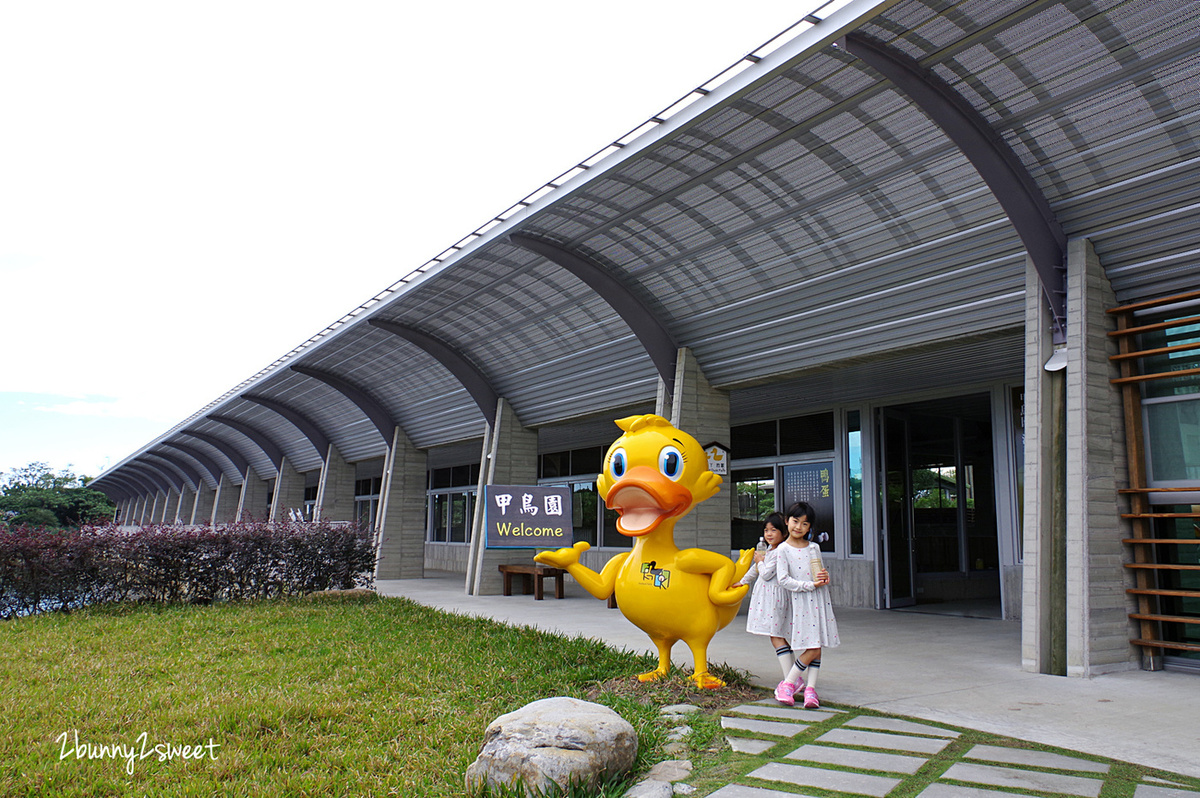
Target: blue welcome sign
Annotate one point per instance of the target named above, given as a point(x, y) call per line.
point(528, 516)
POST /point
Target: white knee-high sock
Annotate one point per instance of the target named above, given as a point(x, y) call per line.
point(787, 658)
point(810, 677)
point(796, 674)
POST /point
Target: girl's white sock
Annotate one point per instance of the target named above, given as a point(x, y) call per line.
point(810, 678)
point(787, 658)
point(796, 674)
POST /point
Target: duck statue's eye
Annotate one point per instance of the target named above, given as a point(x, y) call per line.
point(670, 462)
point(616, 464)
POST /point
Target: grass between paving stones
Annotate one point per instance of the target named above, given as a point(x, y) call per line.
point(723, 766)
point(334, 696)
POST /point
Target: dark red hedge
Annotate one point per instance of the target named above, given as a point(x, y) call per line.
point(44, 570)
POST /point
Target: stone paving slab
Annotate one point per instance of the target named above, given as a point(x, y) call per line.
point(822, 779)
point(782, 712)
point(1024, 779)
point(741, 791)
point(1156, 791)
point(954, 791)
point(826, 759)
point(771, 702)
point(865, 760)
point(883, 741)
point(898, 725)
point(746, 745)
point(1039, 759)
point(777, 728)
point(1165, 783)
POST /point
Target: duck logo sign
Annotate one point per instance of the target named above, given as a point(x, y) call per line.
point(527, 516)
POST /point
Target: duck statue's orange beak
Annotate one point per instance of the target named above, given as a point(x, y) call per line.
point(643, 498)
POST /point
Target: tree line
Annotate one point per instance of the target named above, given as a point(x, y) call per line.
point(39, 496)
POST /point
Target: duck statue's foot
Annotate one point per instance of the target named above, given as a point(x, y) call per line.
point(706, 681)
point(652, 676)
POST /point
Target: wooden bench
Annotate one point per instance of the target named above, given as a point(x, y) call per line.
point(533, 575)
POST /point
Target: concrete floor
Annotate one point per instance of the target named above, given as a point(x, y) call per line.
point(956, 670)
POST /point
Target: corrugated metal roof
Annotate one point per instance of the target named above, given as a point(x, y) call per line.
point(804, 219)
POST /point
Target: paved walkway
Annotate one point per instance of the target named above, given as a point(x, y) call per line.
point(844, 751)
point(946, 671)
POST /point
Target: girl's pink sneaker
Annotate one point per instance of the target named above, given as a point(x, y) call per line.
point(810, 698)
point(785, 693)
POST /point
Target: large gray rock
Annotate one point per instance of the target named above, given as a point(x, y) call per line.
point(560, 740)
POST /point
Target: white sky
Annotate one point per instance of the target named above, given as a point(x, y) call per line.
point(190, 190)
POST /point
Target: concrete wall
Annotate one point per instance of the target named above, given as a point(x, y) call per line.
point(253, 502)
point(511, 459)
point(1011, 577)
point(703, 412)
point(335, 491)
point(851, 582)
point(1098, 627)
point(401, 523)
point(289, 492)
point(1073, 614)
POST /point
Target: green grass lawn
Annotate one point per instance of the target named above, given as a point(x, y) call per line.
point(295, 697)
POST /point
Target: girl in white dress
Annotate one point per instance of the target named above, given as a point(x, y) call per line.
point(770, 612)
point(813, 624)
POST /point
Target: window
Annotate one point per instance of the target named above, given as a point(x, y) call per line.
point(577, 469)
point(854, 480)
point(754, 440)
point(310, 501)
point(366, 500)
point(795, 435)
point(1171, 406)
point(804, 434)
point(755, 490)
point(450, 503)
point(754, 483)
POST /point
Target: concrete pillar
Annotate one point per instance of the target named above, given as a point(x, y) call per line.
point(226, 501)
point(335, 491)
point(183, 507)
point(703, 412)
point(1098, 626)
point(151, 510)
point(510, 458)
point(252, 503)
point(401, 521)
point(289, 492)
point(202, 505)
point(171, 506)
point(1074, 616)
point(1043, 611)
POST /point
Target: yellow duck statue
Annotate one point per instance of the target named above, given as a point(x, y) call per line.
point(653, 475)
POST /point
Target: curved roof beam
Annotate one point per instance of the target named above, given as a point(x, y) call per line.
point(170, 473)
point(655, 338)
point(136, 485)
point(224, 447)
point(151, 475)
point(182, 466)
point(1013, 187)
point(371, 408)
point(316, 437)
point(123, 488)
point(206, 462)
point(268, 446)
point(456, 363)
